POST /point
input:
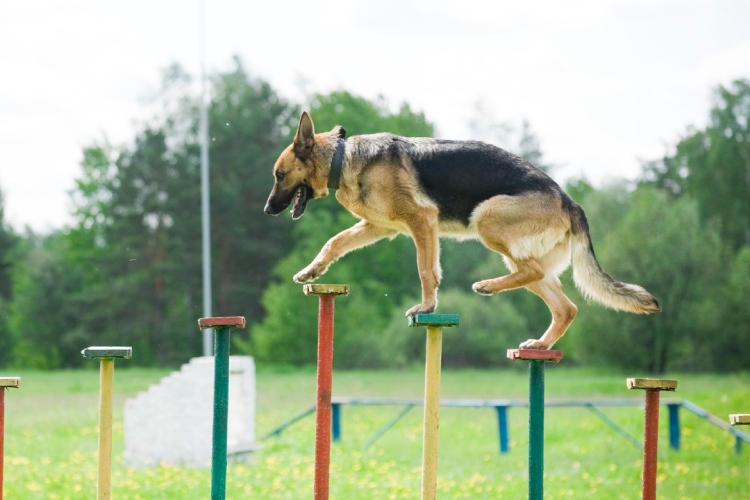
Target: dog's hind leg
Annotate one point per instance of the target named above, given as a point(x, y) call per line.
point(524, 273)
point(562, 309)
point(359, 235)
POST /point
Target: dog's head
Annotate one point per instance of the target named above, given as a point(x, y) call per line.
point(297, 173)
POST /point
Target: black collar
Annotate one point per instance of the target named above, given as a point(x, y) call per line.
point(336, 163)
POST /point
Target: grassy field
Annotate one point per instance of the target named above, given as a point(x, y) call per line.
point(51, 440)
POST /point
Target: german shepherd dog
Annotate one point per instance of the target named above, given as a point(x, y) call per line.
point(428, 188)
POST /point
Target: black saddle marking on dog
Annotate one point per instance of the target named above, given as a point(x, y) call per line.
point(459, 175)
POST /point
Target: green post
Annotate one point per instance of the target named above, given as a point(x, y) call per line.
point(221, 328)
point(536, 429)
point(106, 356)
point(536, 359)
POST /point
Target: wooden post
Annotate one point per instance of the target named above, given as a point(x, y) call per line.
point(434, 323)
point(536, 358)
point(221, 326)
point(326, 295)
point(5, 382)
point(651, 429)
point(106, 356)
point(740, 419)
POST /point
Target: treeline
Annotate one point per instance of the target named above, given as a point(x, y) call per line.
point(129, 270)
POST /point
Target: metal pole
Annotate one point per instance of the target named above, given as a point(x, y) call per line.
point(432, 369)
point(651, 429)
point(536, 430)
point(221, 327)
point(326, 296)
point(205, 195)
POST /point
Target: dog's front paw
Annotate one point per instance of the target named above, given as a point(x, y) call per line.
point(420, 309)
point(307, 275)
point(533, 344)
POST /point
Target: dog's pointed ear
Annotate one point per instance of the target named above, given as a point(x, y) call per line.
point(339, 132)
point(305, 136)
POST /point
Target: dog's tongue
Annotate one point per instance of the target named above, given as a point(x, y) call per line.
point(300, 202)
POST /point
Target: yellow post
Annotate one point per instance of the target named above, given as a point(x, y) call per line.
point(106, 355)
point(106, 382)
point(431, 412)
point(740, 419)
point(433, 355)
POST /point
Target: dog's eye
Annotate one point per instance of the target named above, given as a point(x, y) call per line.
point(280, 175)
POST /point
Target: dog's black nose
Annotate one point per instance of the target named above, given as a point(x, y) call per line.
point(268, 209)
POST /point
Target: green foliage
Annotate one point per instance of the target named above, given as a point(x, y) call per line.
point(663, 246)
point(713, 165)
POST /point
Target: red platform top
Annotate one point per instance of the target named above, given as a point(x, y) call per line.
point(233, 321)
point(535, 355)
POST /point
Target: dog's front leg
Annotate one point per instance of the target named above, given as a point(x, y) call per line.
point(359, 235)
point(424, 231)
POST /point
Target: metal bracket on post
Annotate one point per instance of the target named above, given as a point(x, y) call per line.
point(326, 295)
point(5, 383)
point(434, 323)
point(536, 358)
point(221, 327)
point(651, 429)
point(106, 356)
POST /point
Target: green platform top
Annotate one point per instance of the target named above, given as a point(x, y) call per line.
point(740, 419)
point(10, 382)
point(107, 352)
point(652, 384)
point(440, 320)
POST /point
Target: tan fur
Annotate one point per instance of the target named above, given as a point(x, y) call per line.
point(531, 231)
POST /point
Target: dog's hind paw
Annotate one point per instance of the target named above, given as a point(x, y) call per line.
point(533, 344)
point(481, 288)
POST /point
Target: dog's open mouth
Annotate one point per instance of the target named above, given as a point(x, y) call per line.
point(301, 197)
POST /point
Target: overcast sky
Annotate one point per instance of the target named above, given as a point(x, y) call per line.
point(604, 83)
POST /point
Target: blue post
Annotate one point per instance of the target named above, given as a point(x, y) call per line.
point(502, 426)
point(674, 425)
point(336, 420)
point(737, 445)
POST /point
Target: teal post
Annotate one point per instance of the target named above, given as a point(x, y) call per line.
point(536, 430)
point(221, 328)
point(536, 360)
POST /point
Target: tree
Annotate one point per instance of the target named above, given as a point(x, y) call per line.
point(9, 243)
point(664, 246)
point(713, 165)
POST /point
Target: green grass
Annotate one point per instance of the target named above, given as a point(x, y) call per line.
point(51, 426)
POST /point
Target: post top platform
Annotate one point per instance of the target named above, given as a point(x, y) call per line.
point(231, 321)
point(10, 382)
point(326, 289)
point(442, 320)
point(740, 419)
point(652, 384)
point(107, 352)
point(535, 355)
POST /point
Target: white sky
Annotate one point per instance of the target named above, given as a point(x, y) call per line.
point(603, 83)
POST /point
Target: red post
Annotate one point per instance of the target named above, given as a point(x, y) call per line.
point(2, 437)
point(650, 444)
point(326, 295)
point(651, 429)
point(5, 382)
point(325, 386)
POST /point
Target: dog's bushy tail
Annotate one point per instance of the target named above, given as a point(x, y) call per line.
point(596, 284)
